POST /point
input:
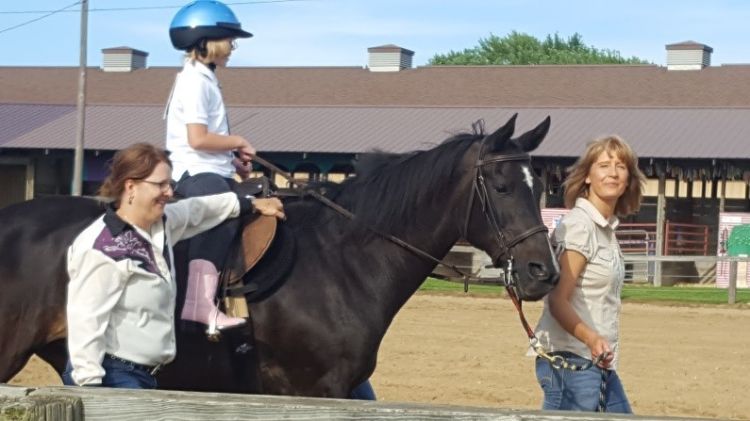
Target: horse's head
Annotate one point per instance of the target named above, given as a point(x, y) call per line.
point(504, 218)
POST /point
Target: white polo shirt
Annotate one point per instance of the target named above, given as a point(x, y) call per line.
point(596, 298)
point(196, 99)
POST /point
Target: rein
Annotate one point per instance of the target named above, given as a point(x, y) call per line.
point(479, 187)
point(304, 189)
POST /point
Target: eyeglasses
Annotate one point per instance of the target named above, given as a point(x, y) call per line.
point(232, 45)
point(164, 186)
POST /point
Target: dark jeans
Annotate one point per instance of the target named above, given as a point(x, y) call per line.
point(118, 374)
point(212, 245)
point(363, 392)
point(566, 390)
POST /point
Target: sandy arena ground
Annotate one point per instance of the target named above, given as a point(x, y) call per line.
point(675, 361)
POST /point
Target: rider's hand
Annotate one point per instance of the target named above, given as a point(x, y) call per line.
point(598, 346)
point(243, 168)
point(246, 151)
point(270, 207)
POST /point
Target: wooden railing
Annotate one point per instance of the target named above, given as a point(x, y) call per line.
point(97, 403)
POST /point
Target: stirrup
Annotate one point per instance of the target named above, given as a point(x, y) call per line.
point(213, 332)
point(213, 335)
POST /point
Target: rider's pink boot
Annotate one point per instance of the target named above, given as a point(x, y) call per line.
point(200, 307)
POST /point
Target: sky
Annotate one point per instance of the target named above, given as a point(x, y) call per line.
point(338, 32)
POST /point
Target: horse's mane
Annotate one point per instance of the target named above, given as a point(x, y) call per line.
point(387, 186)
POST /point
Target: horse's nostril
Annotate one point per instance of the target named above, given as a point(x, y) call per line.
point(538, 270)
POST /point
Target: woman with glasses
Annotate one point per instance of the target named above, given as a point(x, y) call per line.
point(205, 155)
point(121, 295)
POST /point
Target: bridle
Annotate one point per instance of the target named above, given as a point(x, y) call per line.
point(479, 188)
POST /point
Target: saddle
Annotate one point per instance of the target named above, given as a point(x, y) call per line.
point(258, 241)
point(258, 230)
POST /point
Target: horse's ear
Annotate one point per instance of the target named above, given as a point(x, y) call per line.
point(531, 139)
point(498, 139)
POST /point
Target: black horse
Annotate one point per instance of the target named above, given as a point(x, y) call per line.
point(319, 333)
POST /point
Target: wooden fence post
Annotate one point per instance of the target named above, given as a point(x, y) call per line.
point(661, 205)
point(41, 408)
point(732, 290)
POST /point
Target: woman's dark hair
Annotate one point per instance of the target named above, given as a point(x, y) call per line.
point(135, 162)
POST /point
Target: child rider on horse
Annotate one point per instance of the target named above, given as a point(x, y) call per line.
point(204, 154)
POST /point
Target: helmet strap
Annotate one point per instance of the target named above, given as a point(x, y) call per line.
point(202, 47)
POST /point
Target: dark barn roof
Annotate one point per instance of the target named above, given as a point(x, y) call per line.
point(456, 86)
point(663, 114)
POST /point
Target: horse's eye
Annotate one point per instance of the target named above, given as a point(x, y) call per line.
point(501, 188)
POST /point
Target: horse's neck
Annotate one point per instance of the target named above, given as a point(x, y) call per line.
point(402, 271)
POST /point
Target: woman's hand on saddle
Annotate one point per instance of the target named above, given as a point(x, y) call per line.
point(601, 351)
point(270, 206)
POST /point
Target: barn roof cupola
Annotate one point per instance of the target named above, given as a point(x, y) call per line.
point(123, 59)
point(688, 55)
point(389, 58)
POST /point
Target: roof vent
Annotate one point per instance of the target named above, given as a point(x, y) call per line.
point(389, 58)
point(123, 59)
point(688, 55)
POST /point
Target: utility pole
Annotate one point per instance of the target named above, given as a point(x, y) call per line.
point(77, 187)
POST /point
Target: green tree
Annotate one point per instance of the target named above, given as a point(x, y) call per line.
point(521, 49)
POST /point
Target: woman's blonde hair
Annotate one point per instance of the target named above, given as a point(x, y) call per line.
point(575, 184)
point(214, 49)
point(136, 162)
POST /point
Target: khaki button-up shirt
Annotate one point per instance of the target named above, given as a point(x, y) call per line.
point(596, 298)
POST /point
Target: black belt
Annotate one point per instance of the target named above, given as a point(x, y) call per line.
point(150, 369)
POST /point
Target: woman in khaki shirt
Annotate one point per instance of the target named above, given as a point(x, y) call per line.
point(580, 321)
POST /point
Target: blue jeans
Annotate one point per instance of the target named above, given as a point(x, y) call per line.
point(363, 392)
point(566, 390)
point(118, 374)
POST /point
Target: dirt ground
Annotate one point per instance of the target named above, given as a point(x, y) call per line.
point(675, 361)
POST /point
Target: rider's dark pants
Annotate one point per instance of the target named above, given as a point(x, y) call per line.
point(212, 245)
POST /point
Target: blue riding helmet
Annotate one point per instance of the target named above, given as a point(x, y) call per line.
point(204, 19)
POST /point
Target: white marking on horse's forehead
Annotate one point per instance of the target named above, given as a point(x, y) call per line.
point(528, 177)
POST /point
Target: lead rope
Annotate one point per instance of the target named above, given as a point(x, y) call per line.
point(558, 362)
point(603, 391)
